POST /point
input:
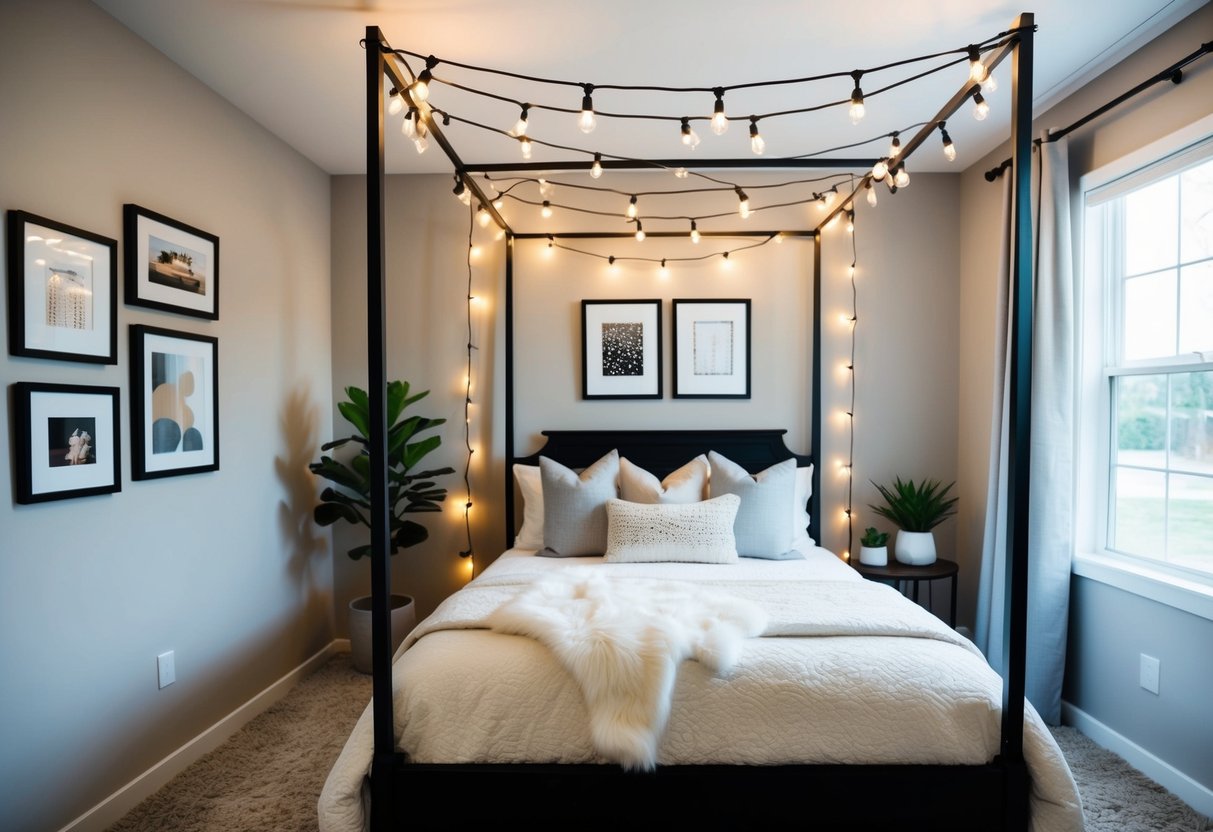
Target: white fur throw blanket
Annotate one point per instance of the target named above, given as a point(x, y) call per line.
point(622, 641)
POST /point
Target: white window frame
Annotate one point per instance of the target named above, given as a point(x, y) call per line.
point(1175, 586)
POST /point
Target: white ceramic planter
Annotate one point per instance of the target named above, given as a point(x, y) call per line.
point(915, 548)
point(874, 555)
point(404, 618)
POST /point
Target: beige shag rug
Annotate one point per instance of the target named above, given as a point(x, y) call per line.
point(268, 776)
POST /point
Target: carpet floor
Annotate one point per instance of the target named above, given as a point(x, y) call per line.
point(268, 776)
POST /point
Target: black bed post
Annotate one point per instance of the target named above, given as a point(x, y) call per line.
point(815, 524)
point(509, 389)
point(381, 566)
point(1015, 615)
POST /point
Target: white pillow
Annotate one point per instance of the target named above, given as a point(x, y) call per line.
point(682, 532)
point(689, 484)
point(530, 536)
point(800, 510)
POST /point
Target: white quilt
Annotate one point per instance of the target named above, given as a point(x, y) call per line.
point(847, 671)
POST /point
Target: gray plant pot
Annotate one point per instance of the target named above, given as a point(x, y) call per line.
point(404, 618)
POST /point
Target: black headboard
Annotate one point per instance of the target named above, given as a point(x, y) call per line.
point(663, 451)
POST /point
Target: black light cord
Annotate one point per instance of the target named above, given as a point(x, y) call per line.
point(851, 410)
point(553, 242)
point(469, 552)
point(520, 180)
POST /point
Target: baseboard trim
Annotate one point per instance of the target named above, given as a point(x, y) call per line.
point(1196, 795)
point(110, 811)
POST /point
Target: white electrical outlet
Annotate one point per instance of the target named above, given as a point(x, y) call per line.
point(1149, 673)
point(165, 670)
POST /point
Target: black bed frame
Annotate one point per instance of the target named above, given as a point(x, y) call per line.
point(992, 796)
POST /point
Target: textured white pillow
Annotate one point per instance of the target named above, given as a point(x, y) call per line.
point(684, 532)
point(530, 536)
point(689, 484)
point(800, 510)
point(574, 506)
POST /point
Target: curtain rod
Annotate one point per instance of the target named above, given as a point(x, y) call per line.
point(1173, 73)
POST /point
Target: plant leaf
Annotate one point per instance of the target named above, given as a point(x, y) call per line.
point(358, 417)
point(413, 453)
point(410, 534)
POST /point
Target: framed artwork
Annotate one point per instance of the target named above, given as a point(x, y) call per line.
point(169, 265)
point(711, 349)
point(621, 349)
point(62, 291)
point(67, 441)
point(174, 403)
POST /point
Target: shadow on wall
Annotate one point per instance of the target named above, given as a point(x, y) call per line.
point(302, 539)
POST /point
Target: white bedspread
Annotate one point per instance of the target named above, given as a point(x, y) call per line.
point(847, 671)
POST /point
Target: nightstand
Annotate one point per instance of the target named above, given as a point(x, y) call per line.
point(898, 574)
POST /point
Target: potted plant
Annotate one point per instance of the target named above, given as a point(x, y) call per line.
point(409, 491)
point(873, 548)
point(916, 508)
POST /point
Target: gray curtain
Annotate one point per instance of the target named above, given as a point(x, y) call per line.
point(1050, 535)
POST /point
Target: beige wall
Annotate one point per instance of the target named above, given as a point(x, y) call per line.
point(224, 568)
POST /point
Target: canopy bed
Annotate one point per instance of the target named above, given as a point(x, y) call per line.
point(856, 708)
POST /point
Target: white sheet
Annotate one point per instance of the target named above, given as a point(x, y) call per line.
point(870, 678)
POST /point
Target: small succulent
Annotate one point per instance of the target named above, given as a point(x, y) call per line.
point(874, 539)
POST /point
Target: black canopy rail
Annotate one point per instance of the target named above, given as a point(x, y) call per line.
point(724, 188)
point(1000, 788)
point(1173, 73)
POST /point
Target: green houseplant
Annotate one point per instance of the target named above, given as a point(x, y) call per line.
point(410, 491)
point(873, 548)
point(916, 508)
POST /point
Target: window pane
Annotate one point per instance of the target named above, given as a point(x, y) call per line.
point(1192, 422)
point(1196, 308)
point(1151, 219)
point(1149, 316)
point(1141, 421)
point(1196, 231)
point(1190, 522)
point(1138, 525)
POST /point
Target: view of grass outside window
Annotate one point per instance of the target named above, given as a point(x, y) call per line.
point(1158, 264)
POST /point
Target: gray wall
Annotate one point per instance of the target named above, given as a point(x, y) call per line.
point(224, 568)
point(1101, 673)
point(906, 354)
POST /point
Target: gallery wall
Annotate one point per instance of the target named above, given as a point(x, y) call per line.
point(224, 568)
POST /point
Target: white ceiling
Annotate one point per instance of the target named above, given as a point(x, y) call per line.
point(296, 66)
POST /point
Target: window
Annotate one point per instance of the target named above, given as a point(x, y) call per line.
point(1148, 361)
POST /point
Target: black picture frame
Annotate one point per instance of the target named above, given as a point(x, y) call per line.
point(169, 265)
point(174, 402)
point(68, 441)
point(711, 348)
point(621, 349)
point(62, 291)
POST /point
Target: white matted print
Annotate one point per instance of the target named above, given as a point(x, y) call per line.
point(174, 403)
point(711, 349)
point(170, 265)
point(62, 291)
point(621, 349)
point(67, 441)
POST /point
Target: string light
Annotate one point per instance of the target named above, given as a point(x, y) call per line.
point(977, 70)
point(689, 137)
point(949, 149)
point(757, 144)
point(871, 193)
point(524, 144)
point(596, 168)
point(680, 173)
point(663, 272)
point(856, 110)
point(639, 232)
point(880, 170)
point(726, 262)
point(470, 552)
point(850, 222)
point(409, 126)
point(546, 211)
point(631, 212)
point(395, 101)
point(849, 463)
point(546, 189)
point(461, 191)
point(980, 108)
point(586, 121)
point(720, 123)
point(989, 85)
point(520, 126)
point(694, 233)
point(482, 216)
point(895, 145)
point(421, 87)
point(902, 177)
point(743, 204)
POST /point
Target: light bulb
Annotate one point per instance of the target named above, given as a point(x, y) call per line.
point(720, 122)
point(880, 170)
point(743, 204)
point(949, 149)
point(726, 263)
point(902, 178)
point(663, 272)
point(856, 111)
point(409, 125)
point(395, 102)
point(596, 168)
point(689, 137)
point(421, 89)
point(989, 85)
point(586, 121)
point(977, 70)
point(466, 197)
point(850, 222)
point(525, 146)
point(421, 143)
point(680, 173)
point(980, 108)
point(631, 212)
point(639, 232)
point(498, 203)
point(460, 190)
point(756, 142)
point(546, 189)
point(482, 217)
point(894, 147)
point(521, 125)
point(871, 195)
point(546, 211)
point(694, 232)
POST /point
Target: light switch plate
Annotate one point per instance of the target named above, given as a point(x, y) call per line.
point(1149, 673)
point(165, 668)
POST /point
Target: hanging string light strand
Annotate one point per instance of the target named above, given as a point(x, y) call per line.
point(469, 552)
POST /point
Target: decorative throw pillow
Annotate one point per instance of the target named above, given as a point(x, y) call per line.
point(530, 536)
point(700, 532)
point(574, 506)
point(762, 526)
point(689, 484)
point(800, 510)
